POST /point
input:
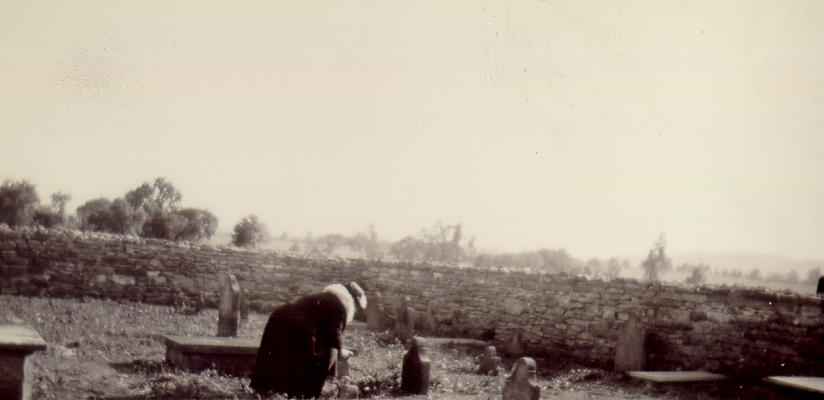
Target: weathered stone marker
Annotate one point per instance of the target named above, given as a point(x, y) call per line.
point(629, 349)
point(405, 323)
point(427, 323)
point(16, 344)
point(415, 370)
point(819, 291)
point(515, 345)
point(375, 312)
point(521, 383)
point(244, 304)
point(489, 362)
point(229, 310)
point(342, 367)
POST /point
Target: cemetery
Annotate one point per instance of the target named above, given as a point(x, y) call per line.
point(105, 317)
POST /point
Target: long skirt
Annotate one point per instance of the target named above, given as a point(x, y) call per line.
point(289, 359)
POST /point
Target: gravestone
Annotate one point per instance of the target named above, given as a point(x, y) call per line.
point(16, 344)
point(405, 323)
point(244, 304)
point(415, 370)
point(229, 308)
point(629, 349)
point(820, 290)
point(515, 344)
point(426, 322)
point(489, 362)
point(342, 367)
point(375, 312)
point(521, 383)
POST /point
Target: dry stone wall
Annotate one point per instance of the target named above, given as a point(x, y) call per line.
point(729, 330)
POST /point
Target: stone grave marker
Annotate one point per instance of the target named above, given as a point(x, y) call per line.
point(515, 344)
point(342, 367)
point(375, 312)
point(820, 290)
point(629, 349)
point(244, 304)
point(489, 362)
point(16, 344)
point(521, 383)
point(426, 322)
point(229, 308)
point(415, 370)
point(405, 323)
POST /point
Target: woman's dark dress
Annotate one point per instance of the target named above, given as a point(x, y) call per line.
point(294, 352)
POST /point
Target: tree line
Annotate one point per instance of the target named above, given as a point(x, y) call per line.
point(151, 210)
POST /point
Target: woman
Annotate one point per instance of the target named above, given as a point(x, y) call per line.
point(302, 341)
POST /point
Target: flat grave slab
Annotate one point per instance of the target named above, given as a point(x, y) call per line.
point(20, 338)
point(806, 383)
point(229, 355)
point(455, 342)
point(676, 376)
point(16, 344)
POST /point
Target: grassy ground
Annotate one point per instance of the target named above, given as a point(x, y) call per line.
point(109, 350)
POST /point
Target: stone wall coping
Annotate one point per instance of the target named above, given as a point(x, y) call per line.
point(20, 338)
point(213, 344)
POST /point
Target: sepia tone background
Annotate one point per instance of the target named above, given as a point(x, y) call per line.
point(593, 126)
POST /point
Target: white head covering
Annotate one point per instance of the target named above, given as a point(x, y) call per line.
point(347, 296)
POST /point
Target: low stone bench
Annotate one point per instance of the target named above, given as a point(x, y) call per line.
point(228, 355)
point(16, 344)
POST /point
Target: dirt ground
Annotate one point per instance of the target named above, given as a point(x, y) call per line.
point(102, 349)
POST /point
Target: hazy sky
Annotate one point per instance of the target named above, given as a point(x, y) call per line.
point(586, 125)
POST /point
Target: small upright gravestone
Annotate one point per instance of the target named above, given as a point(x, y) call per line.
point(629, 349)
point(342, 367)
point(405, 323)
point(244, 304)
point(489, 362)
point(820, 290)
point(521, 383)
point(415, 371)
point(515, 344)
point(229, 310)
point(426, 321)
point(375, 312)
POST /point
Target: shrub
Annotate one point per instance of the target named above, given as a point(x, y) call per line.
point(18, 202)
point(249, 232)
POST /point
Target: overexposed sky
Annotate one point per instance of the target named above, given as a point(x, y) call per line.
point(592, 126)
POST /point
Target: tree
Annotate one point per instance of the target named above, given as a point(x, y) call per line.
point(104, 215)
point(697, 278)
point(754, 275)
point(613, 268)
point(58, 202)
point(197, 225)
point(153, 208)
point(18, 201)
point(249, 232)
point(657, 260)
point(46, 217)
